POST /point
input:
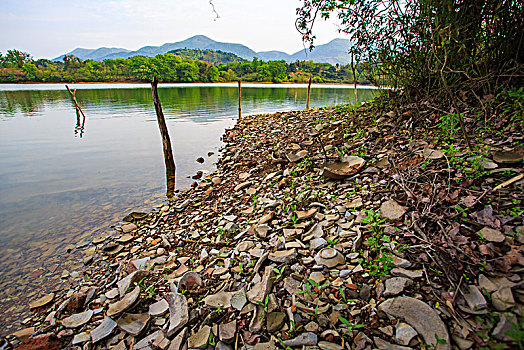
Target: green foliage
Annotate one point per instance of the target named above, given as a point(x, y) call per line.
point(427, 46)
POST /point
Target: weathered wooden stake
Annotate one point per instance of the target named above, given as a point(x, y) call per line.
point(239, 99)
point(73, 96)
point(308, 92)
point(166, 142)
point(354, 77)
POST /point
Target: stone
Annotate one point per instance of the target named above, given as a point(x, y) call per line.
point(502, 298)
point(266, 346)
point(127, 301)
point(384, 345)
point(313, 326)
point(365, 292)
point(226, 332)
point(283, 256)
point(24, 333)
point(103, 330)
point(506, 323)
point(305, 339)
point(77, 320)
point(178, 312)
point(199, 339)
point(486, 285)
point(292, 286)
point(317, 276)
point(314, 232)
point(159, 308)
point(259, 291)
point(76, 302)
point(145, 343)
point(129, 227)
point(275, 321)
point(432, 154)
point(47, 341)
point(81, 338)
point(317, 243)
point(190, 281)
point(392, 210)
point(238, 300)
point(492, 235)
point(180, 340)
point(141, 264)
point(113, 293)
point(329, 257)
point(223, 346)
point(420, 316)
point(412, 274)
point(404, 334)
point(219, 300)
point(160, 342)
point(508, 157)
point(133, 324)
point(129, 280)
point(475, 299)
point(396, 285)
point(324, 345)
point(43, 301)
point(125, 238)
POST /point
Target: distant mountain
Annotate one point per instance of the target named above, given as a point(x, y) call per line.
point(336, 51)
point(210, 56)
point(96, 54)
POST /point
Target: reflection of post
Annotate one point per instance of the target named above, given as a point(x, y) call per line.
point(166, 142)
point(308, 92)
point(239, 99)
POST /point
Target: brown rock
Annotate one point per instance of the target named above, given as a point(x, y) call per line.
point(47, 341)
point(76, 303)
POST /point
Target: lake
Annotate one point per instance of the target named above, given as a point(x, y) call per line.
point(64, 180)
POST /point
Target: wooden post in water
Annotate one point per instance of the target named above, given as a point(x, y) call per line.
point(166, 142)
point(239, 99)
point(73, 96)
point(354, 77)
point(308, 92)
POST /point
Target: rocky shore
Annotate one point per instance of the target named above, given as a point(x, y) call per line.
point(332, 228)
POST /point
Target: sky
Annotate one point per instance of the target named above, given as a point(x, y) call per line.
point(49, 28)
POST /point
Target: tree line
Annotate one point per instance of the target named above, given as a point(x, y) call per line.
point(18, 66)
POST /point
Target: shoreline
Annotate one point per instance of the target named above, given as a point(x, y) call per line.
point(267, 243)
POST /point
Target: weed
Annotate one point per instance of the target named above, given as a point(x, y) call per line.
point(278, 272)
point(349, 325)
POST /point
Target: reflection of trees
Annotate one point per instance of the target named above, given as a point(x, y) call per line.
point(202, 104)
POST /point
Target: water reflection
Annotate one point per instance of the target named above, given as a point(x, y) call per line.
point(79, 127)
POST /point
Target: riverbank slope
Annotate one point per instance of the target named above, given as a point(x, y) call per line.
point(418, 242)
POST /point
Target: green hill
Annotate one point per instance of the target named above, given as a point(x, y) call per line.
point(211, 56)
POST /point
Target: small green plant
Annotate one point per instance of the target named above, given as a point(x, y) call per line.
point(278, 272)
point(350, 326)
point(332, 242)
point(318, 286)
point(151, 292)
point(264, 306)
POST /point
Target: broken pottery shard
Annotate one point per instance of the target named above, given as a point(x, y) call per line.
point(103, 330)
point(43, 301)
point(158, 308)
point(392, 210)
point(283, 256)
point(77, 320)
point(329, 257)
point(340, 170)
point(133, 324)
point(178, 312)
point(261, 289)
point(219, 300)
point(126, 282)
point(420, 316)
point(127, 301)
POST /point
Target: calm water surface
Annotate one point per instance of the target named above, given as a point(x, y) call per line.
point(64, 181)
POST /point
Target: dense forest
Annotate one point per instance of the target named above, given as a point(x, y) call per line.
point(183, 65)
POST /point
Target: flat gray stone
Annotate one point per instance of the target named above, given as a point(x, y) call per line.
point(199, 339)
point(227, 331)
point(392, 210)
point(502, 299)
point(81, 338)
point(238, 300)
point(324, 345)
point(404, 334)
point(396, 285)
point(317, 243)
point(103, 330)
point(127, 301)
point(283, 256)
point(492, 235)
point(475, 299)
point(77, 320)
point(305, 339)
point(420, 316)
point(412, 274)
point(158, 308)
point(275, 321)
point(259, 291)
point(178, 312)
point(384, 345)
point(133, 324)
point(129, 280)
point(219, 300)
point(146, 342)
